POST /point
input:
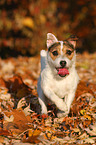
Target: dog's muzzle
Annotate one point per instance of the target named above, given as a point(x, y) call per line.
point(63, 63)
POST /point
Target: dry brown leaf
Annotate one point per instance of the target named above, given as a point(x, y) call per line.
point(2, 139)
point(20, 120)
point(2, 83)
point(5, 133)
point(15, 83)
point(31, 136)
point(82, 89)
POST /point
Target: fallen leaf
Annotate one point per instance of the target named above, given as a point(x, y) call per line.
point(9, 119)
point(82, 112)
point(91, 133)
point(2, 139)
point(5, 133)
point(20, 120)
point(83, 136)
point(16, 83)
point(5, 97)
point(27, 111)
point(89, 141)
point(21, 103)
point(88, 117)
point(2, 83)
point(31, 136)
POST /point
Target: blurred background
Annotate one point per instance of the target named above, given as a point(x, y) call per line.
point(24, 24)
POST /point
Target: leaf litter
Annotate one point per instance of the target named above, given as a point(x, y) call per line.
point(20, 119)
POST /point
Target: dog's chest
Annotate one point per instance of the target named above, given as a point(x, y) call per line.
point(61, 87)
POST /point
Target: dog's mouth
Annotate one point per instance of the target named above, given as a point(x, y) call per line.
point(62, 72)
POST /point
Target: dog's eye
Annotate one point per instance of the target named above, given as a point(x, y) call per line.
point(55, 53)
point(68, 52)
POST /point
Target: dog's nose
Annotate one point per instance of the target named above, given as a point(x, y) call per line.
point(63, 63)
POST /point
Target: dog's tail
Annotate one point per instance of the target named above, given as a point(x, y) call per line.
point(43, 55)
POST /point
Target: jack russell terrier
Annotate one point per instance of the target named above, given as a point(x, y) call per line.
point(58, 79)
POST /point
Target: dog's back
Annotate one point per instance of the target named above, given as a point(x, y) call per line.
point(43, 55)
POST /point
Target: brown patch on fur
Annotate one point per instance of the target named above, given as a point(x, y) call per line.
point(57, 48)
point(65, 49)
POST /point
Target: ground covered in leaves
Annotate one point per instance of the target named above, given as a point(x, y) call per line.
point(20, 119)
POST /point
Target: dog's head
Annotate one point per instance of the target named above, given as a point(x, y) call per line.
point(61, 54)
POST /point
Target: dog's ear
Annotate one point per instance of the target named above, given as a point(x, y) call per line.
point(51, 39)
point(73, 39)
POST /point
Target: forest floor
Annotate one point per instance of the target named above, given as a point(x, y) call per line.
point(20, 121)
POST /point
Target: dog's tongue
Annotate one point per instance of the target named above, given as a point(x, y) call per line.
point(63, 71)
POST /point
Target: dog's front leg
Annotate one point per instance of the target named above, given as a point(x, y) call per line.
point(61, 105)
point(42, 102)
point(69, 100)
point(41, 97)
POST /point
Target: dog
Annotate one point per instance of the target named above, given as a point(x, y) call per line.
point(58, 79)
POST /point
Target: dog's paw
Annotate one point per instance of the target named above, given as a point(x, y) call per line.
point(44, 110)
point(61, 105)
point(61, 114)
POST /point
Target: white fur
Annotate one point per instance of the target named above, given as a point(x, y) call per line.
point(50, 39)
point(61, 45)
point(59, 90)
